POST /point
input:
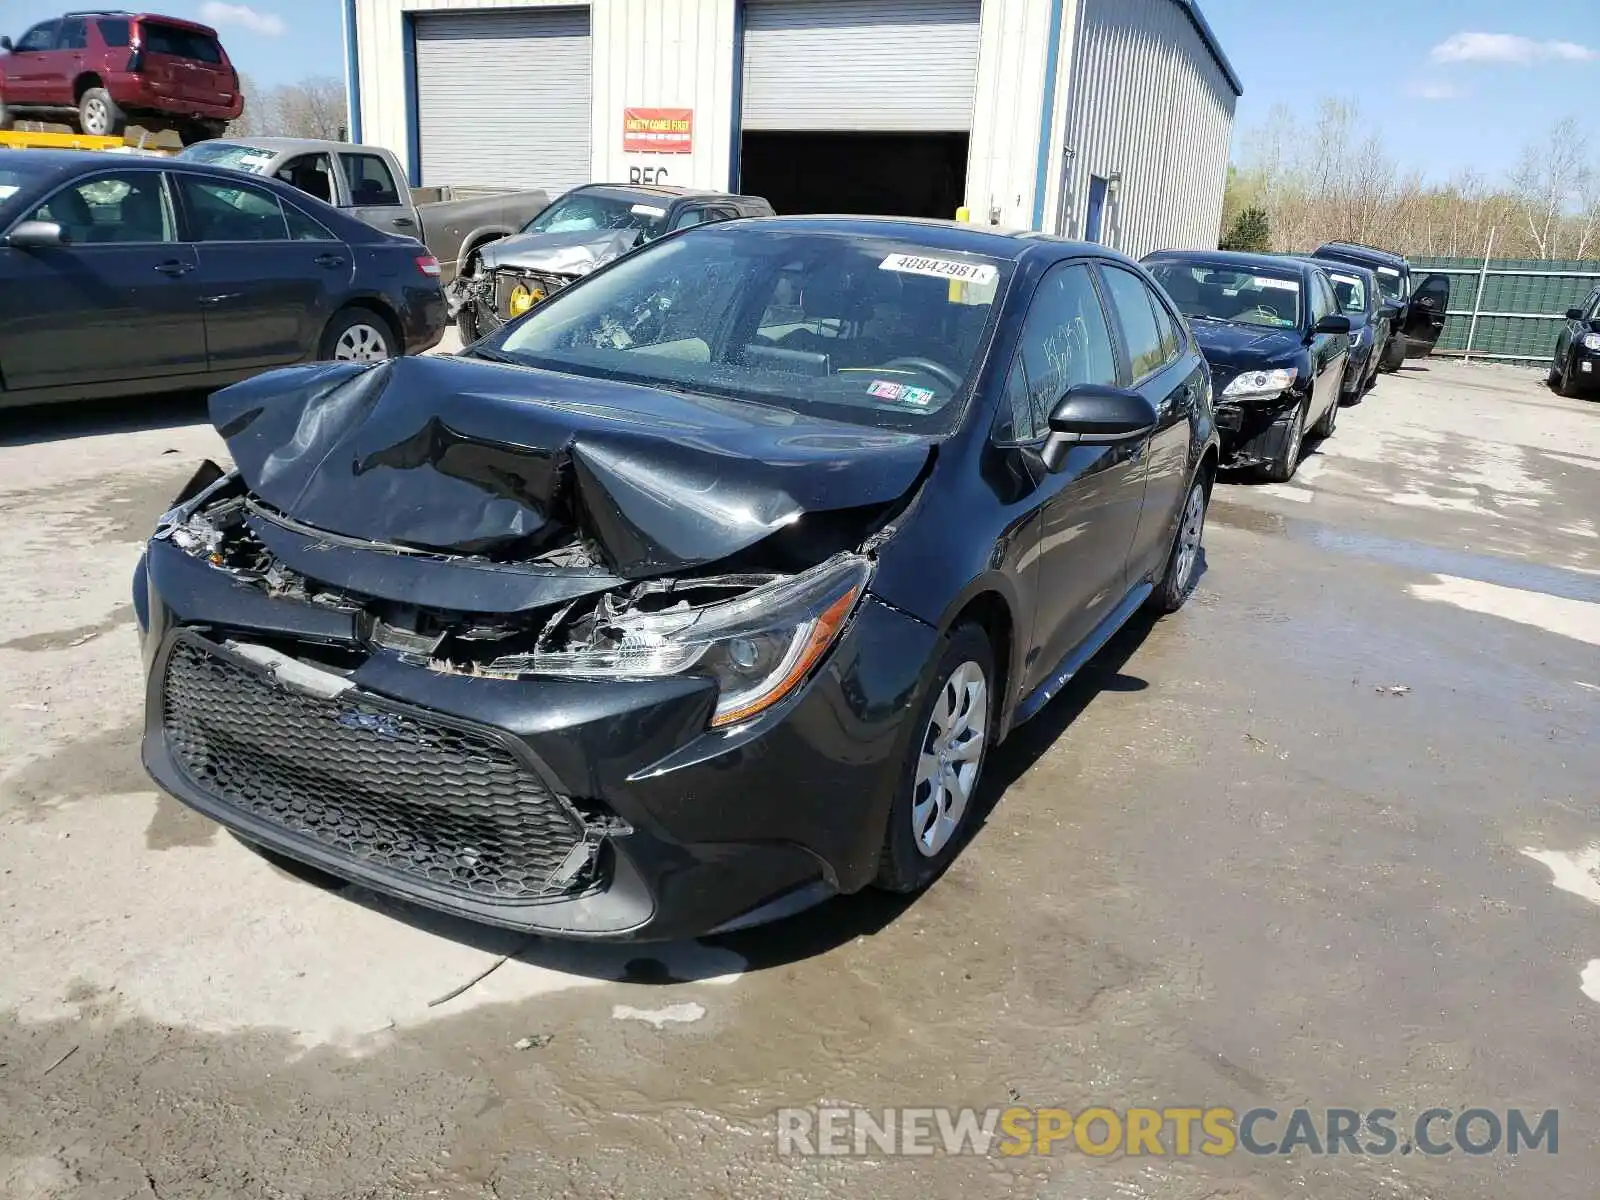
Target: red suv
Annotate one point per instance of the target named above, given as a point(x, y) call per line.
point(101, 70)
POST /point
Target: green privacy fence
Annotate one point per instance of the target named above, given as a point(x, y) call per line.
point(1508, 308)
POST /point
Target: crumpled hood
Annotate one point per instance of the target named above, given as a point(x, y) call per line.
point(1246, 347)
point(471, 457)
point(574, 252)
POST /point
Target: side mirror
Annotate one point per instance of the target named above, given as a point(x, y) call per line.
point(5, 44)
point(38, 235)
point(1389, 312)
point(1574, 314)
point(1090, 414)
point(1335, 323)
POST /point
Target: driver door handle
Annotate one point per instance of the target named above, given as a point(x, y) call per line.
point(328, 260)
point(174, 267)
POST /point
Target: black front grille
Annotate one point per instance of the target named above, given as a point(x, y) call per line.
point(379, 783)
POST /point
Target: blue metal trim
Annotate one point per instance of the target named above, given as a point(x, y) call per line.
point(352, 71)
point(1053, 55)
point(408, 53)
point(736, 145)
point(1192, 10)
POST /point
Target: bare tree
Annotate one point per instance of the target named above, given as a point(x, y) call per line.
point(312, 108)
point(1549, 178)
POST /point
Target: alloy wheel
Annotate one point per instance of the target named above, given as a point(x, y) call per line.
point(952, 755)
point(361, 343)
point(1190, 535)
point(96, 117)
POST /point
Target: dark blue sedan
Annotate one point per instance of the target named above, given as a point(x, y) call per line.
point(129, 274)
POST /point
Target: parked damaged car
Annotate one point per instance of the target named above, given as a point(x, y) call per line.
point(696, 596)
point(1278, 346)
point(582, 231)
point(1360, 298)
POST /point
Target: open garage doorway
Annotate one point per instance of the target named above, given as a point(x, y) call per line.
point(874, 174)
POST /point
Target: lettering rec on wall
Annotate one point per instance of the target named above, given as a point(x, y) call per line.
point(658, 130)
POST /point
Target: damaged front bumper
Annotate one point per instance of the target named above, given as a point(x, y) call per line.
point(312, 721)
point(501, 295)
point(1254, 430)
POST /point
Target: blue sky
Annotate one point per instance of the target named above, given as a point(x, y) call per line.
point(1463, 83)
point(1444, 96)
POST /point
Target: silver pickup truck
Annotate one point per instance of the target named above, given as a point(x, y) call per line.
point(366, 180)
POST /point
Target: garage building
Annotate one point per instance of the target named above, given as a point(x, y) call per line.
point(1100, 119)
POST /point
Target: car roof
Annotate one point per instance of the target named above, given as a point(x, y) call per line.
point(1387, 258)
point(649, 191)
point(286, 145)
point(993, 241)
point(1233, 258)
point(1331, 265)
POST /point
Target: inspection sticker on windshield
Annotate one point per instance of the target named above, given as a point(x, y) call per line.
point(1282, 285)
point(887, 389)
point(940, 268)
point(647, 210)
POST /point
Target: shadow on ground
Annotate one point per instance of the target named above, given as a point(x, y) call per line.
point(91, 418)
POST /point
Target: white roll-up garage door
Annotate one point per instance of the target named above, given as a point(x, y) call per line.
point(503, 98)
point(892, 65)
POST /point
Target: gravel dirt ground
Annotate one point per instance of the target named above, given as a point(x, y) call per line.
point(1329, 837)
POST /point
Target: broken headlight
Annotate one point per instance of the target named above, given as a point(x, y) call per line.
point(758, 648)
point(1252, 385)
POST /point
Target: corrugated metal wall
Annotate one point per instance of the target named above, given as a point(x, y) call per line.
point(1525, 301)
point(1002, 161)
point(1149, 102)
point(902, 65)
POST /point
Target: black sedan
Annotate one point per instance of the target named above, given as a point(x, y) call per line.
point(123, 274)
point(1576, 369)
point(1360, 298)
point(696, 595)
point(1277, 343)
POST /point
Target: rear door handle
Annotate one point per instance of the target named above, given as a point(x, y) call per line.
point(404, 223)
point(328, 260)
point(174, 267)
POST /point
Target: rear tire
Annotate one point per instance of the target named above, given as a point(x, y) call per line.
point(358, 335)
point(1394, 353)
point(934, 805)
point(1178, 582)
point(7, 121)
point(99, 116)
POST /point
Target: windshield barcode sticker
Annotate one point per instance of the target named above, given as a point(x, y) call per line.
point(940, 268)
point(1281, 285)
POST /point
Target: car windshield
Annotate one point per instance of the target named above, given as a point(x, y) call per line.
point(1212, 292)
point(855, 328)
point(228, 154)
point(1391, 284)
point(591, 210)
point(1351, 291)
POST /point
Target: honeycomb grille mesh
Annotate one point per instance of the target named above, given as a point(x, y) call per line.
point(377, 784)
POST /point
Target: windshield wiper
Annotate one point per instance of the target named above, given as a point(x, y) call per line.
point(499, 356)
point(1205, 317)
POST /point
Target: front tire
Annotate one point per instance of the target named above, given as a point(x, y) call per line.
point(7, 121)
point(1567, 384)
point(934, 805)
point(1282, 468)
point(358, 335)
point(99, 116)
point(1178, 582)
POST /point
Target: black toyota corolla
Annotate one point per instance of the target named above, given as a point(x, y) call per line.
point(693, 597)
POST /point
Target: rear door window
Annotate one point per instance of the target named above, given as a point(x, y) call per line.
point(74, 35)
point(311, 174)
point(116, 33)
point(231, 212)
point(371, 183)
